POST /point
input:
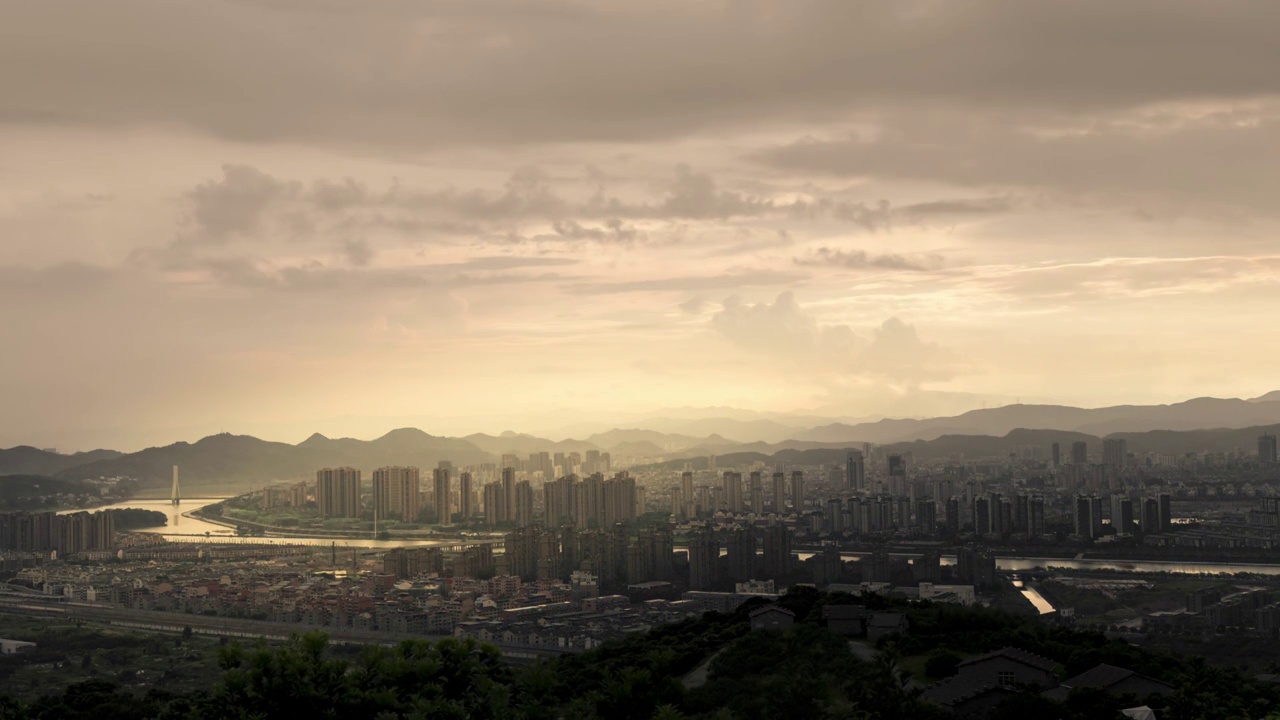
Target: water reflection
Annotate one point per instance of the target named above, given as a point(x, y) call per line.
point(1034, 597)
point(1016, 564)
point(182, 527)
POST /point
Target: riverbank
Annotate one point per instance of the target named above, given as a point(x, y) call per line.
point(256, 529)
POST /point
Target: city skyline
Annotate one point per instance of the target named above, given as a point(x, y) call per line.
point(459, 213)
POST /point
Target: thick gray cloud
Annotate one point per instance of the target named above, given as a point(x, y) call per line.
point(394, 74)
point(1163, 161)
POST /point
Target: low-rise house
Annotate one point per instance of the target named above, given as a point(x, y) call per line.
point(882, 624)
point(1009, 666)
point(847, 620)
point(772, 617)
point(1115, 680)
point(968, 697)
point(13, 647)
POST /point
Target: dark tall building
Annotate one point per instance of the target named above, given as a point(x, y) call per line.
point(1057, 454)
point(797, 490)
point(953, 516)
point(833, 518)
point(876, 568)
point(897, 466)
point(855, 471)
point(649, 558)
point(704, 558)
point(780, 493)
point(927, 568)
point(777, 552)
point(557, 500)
point(974, 568)
point(1166, 512)
point(443, 494)
point(1035, 525)
point(740, 555)
point(521, 552)
point(1267, 449)
point(1079, 453)
point(982, 516)
point(1021, 513)
point(1115, 452)
point(495, 504)
point(466, 497)
point(732, 484)
point(1088, 516)
point(1151, 515)
point(1121, 514)
point(927, 515)
point(524, 503)
point(755, 488)
point(825, 567)
point(508, 494)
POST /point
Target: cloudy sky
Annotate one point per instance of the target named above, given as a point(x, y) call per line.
point(286, 216)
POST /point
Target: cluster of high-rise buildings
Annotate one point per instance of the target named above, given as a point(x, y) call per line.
point(66, 534)
point(593, 501)
point(612, 554)
point(1150, 514)
point(293, 496)
point(688, 501)
point(551, 465)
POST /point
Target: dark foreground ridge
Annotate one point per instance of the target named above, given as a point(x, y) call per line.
point(795, 660)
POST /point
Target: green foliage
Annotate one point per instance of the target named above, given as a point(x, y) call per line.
point(134, 518)
point(941, 663)
point(804, 671)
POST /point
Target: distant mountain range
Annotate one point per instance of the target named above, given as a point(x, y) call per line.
point(988, 447)
point(228, 462)
point(26, 460)
point(1197, 414)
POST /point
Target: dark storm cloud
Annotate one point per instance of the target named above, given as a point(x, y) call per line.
point(392, 74)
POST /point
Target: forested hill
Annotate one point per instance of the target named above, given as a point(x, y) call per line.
point(988, 447)
point(802, 672)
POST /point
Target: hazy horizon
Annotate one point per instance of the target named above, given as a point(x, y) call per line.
point(587, 424)
point(279, 217)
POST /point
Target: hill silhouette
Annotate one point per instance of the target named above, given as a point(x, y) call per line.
point(229, 463)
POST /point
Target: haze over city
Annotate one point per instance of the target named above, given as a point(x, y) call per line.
point(279, 218)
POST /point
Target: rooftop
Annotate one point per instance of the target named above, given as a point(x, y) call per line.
point(1017, 655)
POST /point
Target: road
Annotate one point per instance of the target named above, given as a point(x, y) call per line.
point(166, 622)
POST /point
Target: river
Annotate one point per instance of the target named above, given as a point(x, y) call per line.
point(182, 527)
point(1015, 564)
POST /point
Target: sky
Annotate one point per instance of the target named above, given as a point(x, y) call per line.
point(278, 217)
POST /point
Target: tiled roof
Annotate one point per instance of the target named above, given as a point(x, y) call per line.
point(1104, 676)
point(771, 608)
point(1016, 655)
point(958, 689)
